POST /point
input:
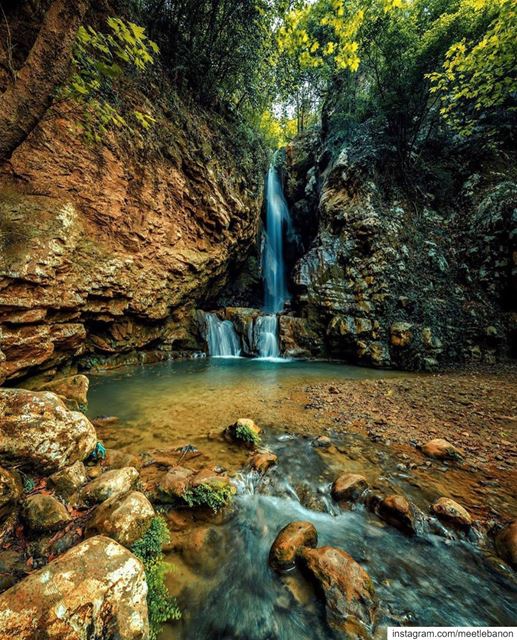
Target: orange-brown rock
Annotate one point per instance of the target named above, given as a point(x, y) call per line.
point(74, 389)
point(349, 486)
point(441, 449)
point(289, 543)
point(95, 590)
point(103, 252)
point(399, 512)
point(263, 460)
point(451, 512)
point(506, 543)
point(350, 600)
point(36, 429)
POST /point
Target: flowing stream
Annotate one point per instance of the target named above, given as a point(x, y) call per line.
point(266, 336)
point(225, 588)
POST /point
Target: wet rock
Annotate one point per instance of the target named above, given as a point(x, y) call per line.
point(451, 512)
point(263, 460)
point(125, 518)
point(101, 422)
point(108, 484)
point(441, 450)
point(13, 568)
point(10, 490)
point(297, 338)
point(118, 459)
point(244, 431)
point(401, 334)
point(44, 513)
point(399, 512)
point(70, 479)
point(175, 483)
point(506, 544)
point(74, 390)
point(349, 486)
point(37, 430)
point(95, 590)
point(289, 542)
point(350, 600)
point(322, 442)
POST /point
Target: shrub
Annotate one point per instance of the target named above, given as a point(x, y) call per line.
point(215, 496)
point(161, 606)
point(246, 434)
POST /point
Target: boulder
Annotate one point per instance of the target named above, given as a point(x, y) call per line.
point(37, 430)
point(73, 388)
point(44, 513)
point(111, 483)
point(349, 487)
point(95, 590)
point(350, 600)
point(289, 542)
point(262, 461)
point(123, 518)
point(10, 490)
point(117, 459)
point(451, 512)
point(441, 449)
point(322, 442)
point(244, 431)
point(70, 479)
point(175, 483)
point(506, 544)
point(399, 512)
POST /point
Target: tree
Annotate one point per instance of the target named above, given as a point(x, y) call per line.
point(30, 92)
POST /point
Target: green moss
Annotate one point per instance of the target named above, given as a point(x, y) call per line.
point(244, 433)
point(215, 496)
point(162, 608)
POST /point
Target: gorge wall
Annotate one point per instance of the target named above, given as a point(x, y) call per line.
point(107, 249)
point(409, 271)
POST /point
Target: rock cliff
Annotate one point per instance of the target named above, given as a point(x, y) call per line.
point(106, 249)
point(411, 271)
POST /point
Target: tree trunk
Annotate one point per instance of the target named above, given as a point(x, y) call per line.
point(24, 102)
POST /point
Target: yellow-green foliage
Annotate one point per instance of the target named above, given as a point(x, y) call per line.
point(479, 74)
point(215, 496)
point(162, 608)
point(277, 131)
point(100, 60)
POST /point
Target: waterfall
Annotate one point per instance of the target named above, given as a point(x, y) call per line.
point(221, 336)
point(277, 215)
point(266, 336)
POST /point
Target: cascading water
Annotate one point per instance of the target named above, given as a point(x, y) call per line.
point(266, 336)
point(222, 338)
point(277, 216)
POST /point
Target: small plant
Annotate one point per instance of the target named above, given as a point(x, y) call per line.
point(161, 606)
point(247, 434)
point(211, 495)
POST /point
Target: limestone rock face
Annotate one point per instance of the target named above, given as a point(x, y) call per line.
point(123, 518)
point(289, 543)
point(95, 590)
point(37, 430)
point(123, 250)
point(349, 594)
point(10, 490)
point(387, 280)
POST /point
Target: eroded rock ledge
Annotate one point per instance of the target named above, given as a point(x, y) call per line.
point(106, 250)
